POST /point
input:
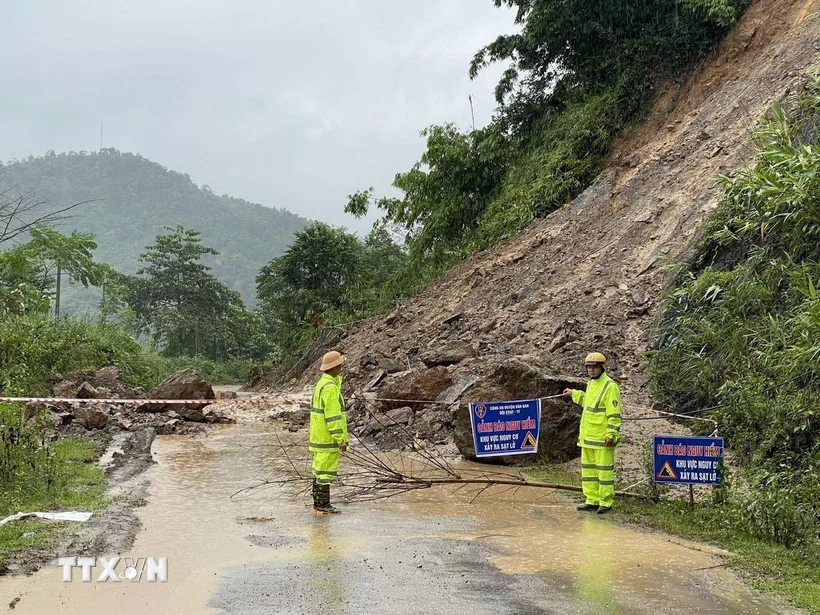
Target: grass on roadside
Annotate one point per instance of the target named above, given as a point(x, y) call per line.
point(78, 483)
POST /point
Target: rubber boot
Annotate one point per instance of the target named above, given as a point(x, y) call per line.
point(324, 506)
point(317, 496)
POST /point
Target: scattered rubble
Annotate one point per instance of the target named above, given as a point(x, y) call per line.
point(106, 383)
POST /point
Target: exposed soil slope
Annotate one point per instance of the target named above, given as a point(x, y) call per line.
point(591, 275)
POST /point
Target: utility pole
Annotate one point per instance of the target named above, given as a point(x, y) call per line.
point(57, 295)
point(101, 133)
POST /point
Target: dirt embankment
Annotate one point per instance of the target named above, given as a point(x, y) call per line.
point(591, 275)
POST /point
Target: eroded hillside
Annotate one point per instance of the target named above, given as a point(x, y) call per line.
point(517, 320)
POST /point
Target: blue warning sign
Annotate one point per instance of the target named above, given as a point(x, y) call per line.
point(687, 460)
point(505, 427)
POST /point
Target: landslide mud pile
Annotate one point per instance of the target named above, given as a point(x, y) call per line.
point(516, 321)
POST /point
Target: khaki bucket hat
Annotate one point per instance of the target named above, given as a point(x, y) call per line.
point(330, 360)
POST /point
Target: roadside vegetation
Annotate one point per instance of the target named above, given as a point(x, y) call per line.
point(38, 470)
point(739, 338)
point(738, 341)
point(41, 474)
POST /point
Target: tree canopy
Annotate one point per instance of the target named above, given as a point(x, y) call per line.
point(325, 277)
point(597, 43)
point(28, 272)
point(184, 308)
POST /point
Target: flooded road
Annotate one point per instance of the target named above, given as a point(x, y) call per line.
point(428, 552)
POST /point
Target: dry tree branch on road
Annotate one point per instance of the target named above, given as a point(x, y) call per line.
point(366, 474)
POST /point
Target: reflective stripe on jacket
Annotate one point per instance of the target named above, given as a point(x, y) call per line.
point(328, 420)
point(601, 418)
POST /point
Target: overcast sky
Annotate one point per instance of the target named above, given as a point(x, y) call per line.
point(289, 104)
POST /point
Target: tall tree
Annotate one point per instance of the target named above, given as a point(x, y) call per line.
point(36, 267)
point(315, 277)
point(56, 254)
point(185, 308)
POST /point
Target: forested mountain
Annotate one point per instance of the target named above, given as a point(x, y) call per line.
point(133, 198)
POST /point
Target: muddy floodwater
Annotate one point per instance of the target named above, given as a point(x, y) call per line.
point(425, 553)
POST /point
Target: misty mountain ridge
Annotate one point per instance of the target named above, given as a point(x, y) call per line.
point(132, 199)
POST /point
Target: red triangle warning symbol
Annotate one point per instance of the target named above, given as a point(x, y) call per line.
point(529, 441)
point(667, 472)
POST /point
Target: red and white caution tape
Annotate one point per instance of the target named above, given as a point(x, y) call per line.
point(235, 400)
point(288, 400)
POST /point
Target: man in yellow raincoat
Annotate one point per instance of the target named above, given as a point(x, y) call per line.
point(599, 434)
point(328, 430)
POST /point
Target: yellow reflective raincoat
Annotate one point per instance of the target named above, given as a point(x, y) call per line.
point(328, 420)
point(600, 419)
point(328, 427)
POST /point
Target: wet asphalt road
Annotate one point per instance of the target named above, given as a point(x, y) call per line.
point(431, 552)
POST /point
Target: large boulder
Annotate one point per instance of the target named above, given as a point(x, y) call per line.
point(184, 384)
point(91, 416)
point(417, 384)
point(524, 377)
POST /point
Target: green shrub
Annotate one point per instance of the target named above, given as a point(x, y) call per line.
point(31, 346)
point(561, 157)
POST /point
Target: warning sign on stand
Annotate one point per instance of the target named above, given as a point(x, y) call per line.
point(687, 460)
point(505, 427)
